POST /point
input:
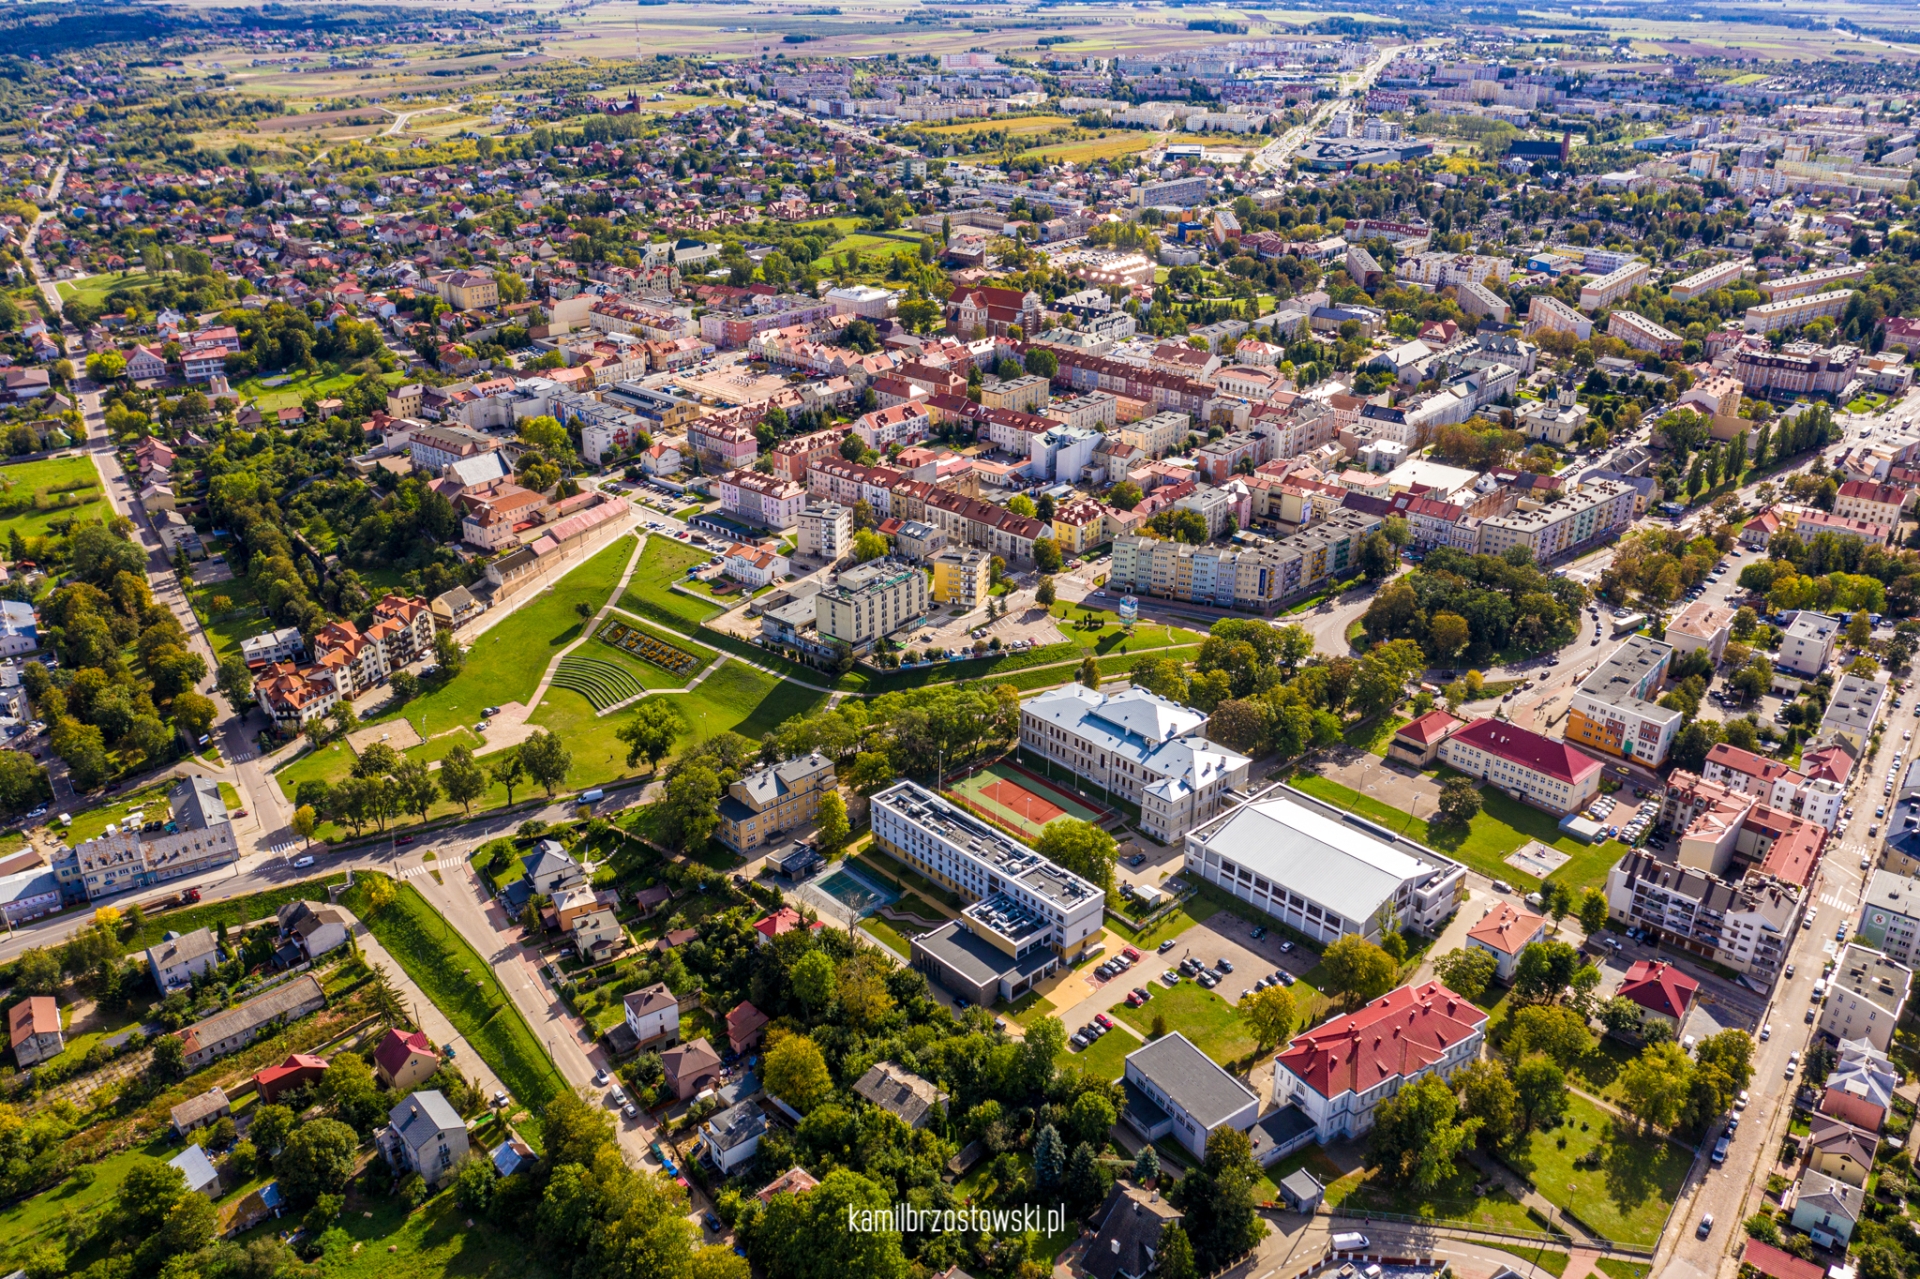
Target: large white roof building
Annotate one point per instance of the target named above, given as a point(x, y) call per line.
point(1321, 875)
point(1137, 745)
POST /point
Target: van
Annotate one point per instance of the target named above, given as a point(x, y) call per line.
point(1720, 1150)
point(1351, 1241)
point(1819, 991)
point(593, 796)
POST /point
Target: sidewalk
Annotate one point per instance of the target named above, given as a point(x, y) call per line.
point(422, 1010)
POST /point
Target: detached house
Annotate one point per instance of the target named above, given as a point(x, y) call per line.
point(424, 1134)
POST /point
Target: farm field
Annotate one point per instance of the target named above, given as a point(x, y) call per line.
point(1088, 150)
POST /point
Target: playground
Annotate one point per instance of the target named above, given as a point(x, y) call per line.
point(1016, 800)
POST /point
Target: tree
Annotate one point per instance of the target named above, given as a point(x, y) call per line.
point(1553, 1029)
point(868, 545)
point(1541, 1089)
point(448, 653)
point(795, 1071)
point(508, 770)
point(378, 894)
point(305, 822)
point(1270, 1015)
point(405, 686)
point(1086, 1182)
point(1418, 1134)
point(1081, 847)
point(651, 732)
point(813, 980)
point(1487, 1094)
point(272, 1125)
point(462, 778)
point(1544, 970)
point(1357, 970)
point(1046, 554)
point(547, 760)
point(37, 971)
point(414, 787)
point(169, 1061)
point(236, 682)
point(808, 1236)
point(832, 826)
point(1592, 912)
point(1049, 1157)
point(1459, 801)
point(1146, 1167)
point(687, 808)
point(193, 714)
point(1653, 1087)
point(1043, 594)
point(1447, 634)
point(1466, 972)
point(317, 1160)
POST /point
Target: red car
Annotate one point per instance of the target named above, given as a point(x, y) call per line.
point(1105, 1021)
point(1130, 953)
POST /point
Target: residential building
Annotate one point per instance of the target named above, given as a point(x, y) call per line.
point(1866, 994)
point(435, 448)
point(1851, 712)
point(176, 959)
point(1798, 368)
point(765, 500)
point(234, 1028)
point(275, 646)
point(34, 1027)
point(1840, 1150)
point(1536, 769)
point(1663, 992)
point(1322, 875)
point(1890, 916)
point(1339, 1072)
point(961, 575)
point(870, 602)
point(1815, 799)
point(1125, 1246)
point(123, 857)
point(1026, 915)
point(690, 1067)
point(1860, 1087)
point(1808, 643)
point(1793, 286)
point(1613, 709)
point(1702, 625)
point(1175, 1090)
point(1596, 511)
point(652, 1013)
point(914, 1101)
point(1718, 276)
point(1603, 291)
point(404, 1059)
point(1796, 312)
point(1503, 932)
point(467, 290)
point(315, 928)
point(200, 1111)
point(1871, 502)
point(745, 1027)
point(1140, 746)
point(826, 531)
point(424, 1134)
point(1642, 334)
point(773, 800)
point(299, 1070)
point(197, 1171)
point(732, 1137)
point(1826, 1209)
point(1743, 925)
point(1549, 314)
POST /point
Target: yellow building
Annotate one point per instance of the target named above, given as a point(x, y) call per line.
point(960, 576)
point(1080, 526)
point(467, 290)
point(773, 800)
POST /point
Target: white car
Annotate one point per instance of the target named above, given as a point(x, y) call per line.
point(301, 863)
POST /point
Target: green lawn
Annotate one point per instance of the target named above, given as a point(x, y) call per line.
point(1502, 825)
point(649, 675)
point(232, 912)
point(1628, 1197)
point(1551, 1260)
point(318, 384)
point(1099, 631)
point(1452, 1200)
point(35, 494)
point(1210, 1022)
point(95, 288)
point(1374, 735)
point(386, 1240)
point(464, 987)
point(1621, 1268)
point(1106, 1059)
point(43, 1218)
point(888, 936)
point(649, 594)
point(150, 801)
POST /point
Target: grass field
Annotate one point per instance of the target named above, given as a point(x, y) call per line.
point(95, 288)
point(44, 1218)
point(1088, 150)
point(464, 987)
point(649, 593)
point(35, 494)
point(1004, 795)
point(318, 384)
point(1210, 1022)
point(387, 1240)
point(1629, 1196)
point(232, 912)
point(1021, 126)
point(1502, 825)
point(1106, 1059)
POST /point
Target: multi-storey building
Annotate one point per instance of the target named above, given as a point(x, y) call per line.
point(1745, 926)
point(772, 800)
point(1597, 510)
point(1613, 709)
point(1808, 643)
point(1890, 916)
point(1140, 746)
point(1156, 435)
point(1798, 368)
point(766, 500)
point(961, 575)
point(1550, 314)
point(870, 602)
point(1717, 276)
point(124, 858)
point(1865, 996)
point(402, 627)
point(1788, 287)
point(1339, 1072)
point(826, 530)
point(1795, 312)
point(1607, 289)
point(722, 446)
point(355, 662)
point(1871, 502)
point(1536, 769)
point(1642, 334)
point(1851, 712)
point(1816, 799)
point(434, 448)
point(1026, 915)
point(794, 457)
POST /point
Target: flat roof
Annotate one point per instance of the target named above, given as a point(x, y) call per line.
point(1193, 1079)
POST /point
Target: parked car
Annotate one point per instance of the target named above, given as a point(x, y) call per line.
point(1166, 945)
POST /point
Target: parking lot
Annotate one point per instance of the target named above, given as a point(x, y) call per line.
point(1027, 625)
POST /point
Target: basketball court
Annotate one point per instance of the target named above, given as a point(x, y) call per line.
point(1013, 798)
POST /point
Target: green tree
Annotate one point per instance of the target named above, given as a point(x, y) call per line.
point(1654, 1085)
point(651, 731)
point(1356, 970)
point(832, 828)
point(305, 822)
point(869, 545)
point(318, 1159)
point(1466, 972)
point(1592, 912)
point(547, 760)
point(1146, 1165)
point(1049, 1157)
point(1544, 970)
point(1081, 847)
point(1488, 1095)
point(462, 777)
point(813, 980)
point(1541, 1088)
point(1270, 1014)
point(1459, 801)
point(236, 682)
point(1176, 1260)
point(795, 1071)
point(1553, 1029)
point(1418, 1134)
point(168, 1063)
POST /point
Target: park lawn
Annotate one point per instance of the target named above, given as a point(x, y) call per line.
point(1110, 636)
point(71, 488)
point(226, 634)
point(1621, 1268)
point(387, 1240)
point(1374, 735)
point(1599, 1071)
point(1452, 1200)
point(1029, 1008)
point(319, 384)
point(1501, 826)
point(1106, 1059)
point(887, 935)
point(27, 1224)
point(464, 987)
point(649, 675)
point(1018, 127)
point(1629, 1196)
point(95, 288)
point(650, 595)
point(1210, 1022)
point(506, 662)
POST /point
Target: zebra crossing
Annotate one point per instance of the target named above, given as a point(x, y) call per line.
point(240, 757)
point(415, 872)
point(283, 846)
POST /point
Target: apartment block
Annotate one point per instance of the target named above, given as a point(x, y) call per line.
point(1788, 287)
point(1614, 710)
point(1795, 312)
point(1718, 276)
point(961, 576)
point(1551, 315)
point(1808, 643)
point(1890, 916)
point(1746, 925)
point(1865, 996)
point(826, 531)
point(871, 601)
point(1597, 510)
point(1607, 289)
point(766, 500)
point(1642, 334)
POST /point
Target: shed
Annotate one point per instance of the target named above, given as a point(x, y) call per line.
point(1300, 1191)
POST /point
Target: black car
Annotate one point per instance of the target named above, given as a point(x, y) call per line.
point(1224, 965)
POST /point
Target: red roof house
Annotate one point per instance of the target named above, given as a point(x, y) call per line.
point(1778, 1263)
point(1404, 1034)
point(1829, 763)
point(296, 1071)
point(404, 1059)
point(1418, 742)
point(1662, 991)
point(744, 1025)
point(784, 920)
point(1503, 932)
point(1544, 772)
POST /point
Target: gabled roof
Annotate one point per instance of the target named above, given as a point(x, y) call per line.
point(651, 999)
point(691, 1058)
point(1506, 929)
point(422, 1116)
point(1529, 750)
point(1658, 986)
point(1429, 728)
point(35, 1015)
point(1399, 1034)
point(1778, 1263)
point(394, 1050)
point(899, 1092)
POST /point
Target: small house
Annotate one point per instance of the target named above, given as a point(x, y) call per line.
point(901, 1093)
point(1419, 742)
point(314, 927)
point(177, 959)
point(1503, 932)
point(690, 1067)
point(1840, 1150)
point(513, 1155)
point(1663, 992)
point(34, 1023)
point(201, 1176)
point(424, 1134)
point(745, 1025)
point(732, 1137)
point(299, 1070)
point(201, 1111)
point(794, 1181)
point(653, 1013)
point(405, 1059)
point(1128, 1240)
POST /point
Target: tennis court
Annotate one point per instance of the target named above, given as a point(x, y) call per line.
point(1016, 799)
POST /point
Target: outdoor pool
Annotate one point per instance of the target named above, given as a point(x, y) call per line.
point(854, 892)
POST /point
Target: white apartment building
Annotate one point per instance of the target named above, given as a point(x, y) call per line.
point(1717, 276)
point(1865, 996)
point(767, 500)
point(1549, 314)
point(826, 531)
point(1596, 510)
point(1642, 334)
point(1156, 435)
point(1607, 289)
point(1788, 287)
point(1808, 643)
point(1614, 709)
point(1818, 800)
point(1137, 745)
point(871, 601)
point(1794, 312)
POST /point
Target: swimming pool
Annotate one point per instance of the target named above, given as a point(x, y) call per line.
point(856, 893)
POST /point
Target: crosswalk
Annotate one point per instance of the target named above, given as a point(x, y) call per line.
point(283, 846)
point(240, 757)
point(415, 872)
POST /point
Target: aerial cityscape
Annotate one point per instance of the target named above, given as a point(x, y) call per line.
point(994, 639)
